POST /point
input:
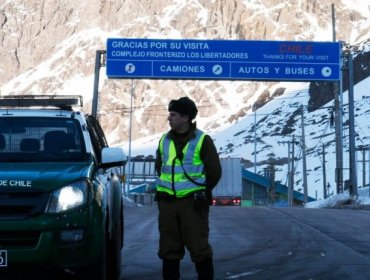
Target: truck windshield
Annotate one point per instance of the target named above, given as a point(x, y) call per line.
point(29, 139)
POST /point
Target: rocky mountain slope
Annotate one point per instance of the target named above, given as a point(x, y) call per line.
point(49, 47)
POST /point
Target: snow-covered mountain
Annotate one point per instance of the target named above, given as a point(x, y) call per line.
point(237, 140)
point(49, 47)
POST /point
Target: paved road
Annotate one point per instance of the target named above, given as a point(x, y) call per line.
point(261, 243)
point(258, 244)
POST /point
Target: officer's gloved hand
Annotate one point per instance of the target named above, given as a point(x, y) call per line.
point(201, 202)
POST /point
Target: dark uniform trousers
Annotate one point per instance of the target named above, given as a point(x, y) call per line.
point(183, 222)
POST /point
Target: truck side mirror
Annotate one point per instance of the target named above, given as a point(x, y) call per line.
point(113, 157)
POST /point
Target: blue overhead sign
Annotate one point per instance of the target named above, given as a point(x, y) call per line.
point(223, 59)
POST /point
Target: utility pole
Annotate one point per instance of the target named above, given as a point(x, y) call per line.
point(255, 138)
point(333, 20)
point(338, 120)
point(363, 168)
point(290, 176)
point(338, 101)
point(290, 186)
point(132, 93)
point(304, 172)
point(352, 136)
point(324, 172)
point(99, 62)
point(272, 180)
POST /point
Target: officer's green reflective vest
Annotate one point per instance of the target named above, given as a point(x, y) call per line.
point(192, 163)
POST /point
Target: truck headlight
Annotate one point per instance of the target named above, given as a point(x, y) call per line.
point(68, 197)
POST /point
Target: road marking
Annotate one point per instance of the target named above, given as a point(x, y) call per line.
point(237, 276)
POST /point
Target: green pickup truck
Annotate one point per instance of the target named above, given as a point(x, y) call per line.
point(61, 205)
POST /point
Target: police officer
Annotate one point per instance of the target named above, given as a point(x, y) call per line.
point(188, 168)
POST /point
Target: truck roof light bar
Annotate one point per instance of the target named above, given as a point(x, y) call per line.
point(64, 102)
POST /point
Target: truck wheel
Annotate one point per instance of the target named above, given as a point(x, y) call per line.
point(114, 251)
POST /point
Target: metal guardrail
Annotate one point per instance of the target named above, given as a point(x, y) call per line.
point(139, 199)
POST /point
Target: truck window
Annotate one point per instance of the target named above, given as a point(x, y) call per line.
point(40, 139)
